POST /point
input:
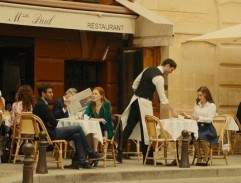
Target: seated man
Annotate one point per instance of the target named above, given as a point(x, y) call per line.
point(60, 108)
point(74, 133)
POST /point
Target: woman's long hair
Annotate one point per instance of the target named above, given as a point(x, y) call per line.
point(207, 94)
point(25, 94)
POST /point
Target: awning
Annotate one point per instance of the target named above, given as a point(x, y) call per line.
point(151, 28)
point(229, 34)
point(38, 16)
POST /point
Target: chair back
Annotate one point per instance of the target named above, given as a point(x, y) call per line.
point(41, 127)
point(24, 124)
point(220, 123)
point(27, 124)
point(153, 124)
point(116, 120)
point(237, 122)
point(2, 106)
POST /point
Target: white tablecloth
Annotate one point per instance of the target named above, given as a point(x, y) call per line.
point(88, 126)
point(175, 126)
point(231, 124)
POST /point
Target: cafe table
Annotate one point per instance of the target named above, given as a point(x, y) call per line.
point(88, 126)
point(175, 126)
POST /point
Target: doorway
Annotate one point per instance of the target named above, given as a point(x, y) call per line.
point(131, 65)
point(16, 68)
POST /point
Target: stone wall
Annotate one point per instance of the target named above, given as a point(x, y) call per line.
point(217, 66)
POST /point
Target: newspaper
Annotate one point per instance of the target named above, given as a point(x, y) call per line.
point(79, 101)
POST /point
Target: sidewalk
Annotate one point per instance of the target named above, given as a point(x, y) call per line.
point(131, 171)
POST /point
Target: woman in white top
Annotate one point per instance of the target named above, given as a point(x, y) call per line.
point(204, 112)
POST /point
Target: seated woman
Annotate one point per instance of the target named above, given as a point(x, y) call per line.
point(99, 109)
point(24, 103)
point(204, 112)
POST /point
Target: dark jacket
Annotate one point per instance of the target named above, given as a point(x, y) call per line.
point(58, 109)
point(42, 111)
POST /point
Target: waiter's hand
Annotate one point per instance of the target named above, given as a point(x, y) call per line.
point(173, 112)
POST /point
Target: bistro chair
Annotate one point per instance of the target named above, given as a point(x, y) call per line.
point(109, 145)
point(221, 152)
point(159, 139)
point(234, 134)
point(128, 150)
point(219, 122)
point(57, 144)
point(24, 130)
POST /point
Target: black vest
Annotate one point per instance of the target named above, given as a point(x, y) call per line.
point(146, 88)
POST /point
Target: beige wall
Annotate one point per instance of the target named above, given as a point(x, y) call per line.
point(201, 63)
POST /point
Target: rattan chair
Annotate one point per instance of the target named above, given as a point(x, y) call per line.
point(109, 145)
point(220, 123)
point(159, 139)
point(234, 134)
point(24, 130)
point(57, 144)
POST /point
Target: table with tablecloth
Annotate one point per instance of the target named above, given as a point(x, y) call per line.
point(88, 126)
point(175, 126)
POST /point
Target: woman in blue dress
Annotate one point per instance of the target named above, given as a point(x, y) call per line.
point(204, 112)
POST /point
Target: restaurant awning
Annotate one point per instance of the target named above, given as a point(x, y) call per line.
point(229, 34)
point(151, 28)
point(39, 16)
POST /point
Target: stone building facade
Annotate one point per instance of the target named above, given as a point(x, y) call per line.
point(217, 66)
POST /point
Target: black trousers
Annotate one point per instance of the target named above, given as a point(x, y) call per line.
point(133, 118)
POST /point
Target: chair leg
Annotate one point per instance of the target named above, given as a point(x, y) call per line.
point(65, 149)
point(106, 144)
point(113, 152)
point(138, 150)
point(175, 152)
point(60, 159)
point(147, 152)
point(11, 150)
point(17, 150)
point(155, 153)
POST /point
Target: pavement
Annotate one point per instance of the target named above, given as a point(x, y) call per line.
point(131, 171)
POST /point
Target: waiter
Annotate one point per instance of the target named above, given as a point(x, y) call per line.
point(147, 82)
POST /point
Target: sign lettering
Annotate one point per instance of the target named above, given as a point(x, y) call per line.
point(100, 26)
point(35, 19)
